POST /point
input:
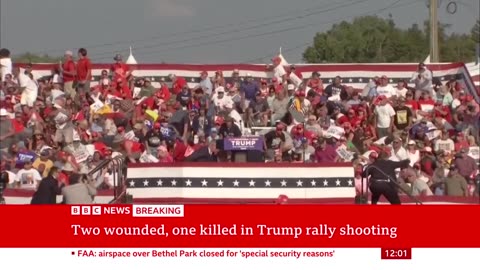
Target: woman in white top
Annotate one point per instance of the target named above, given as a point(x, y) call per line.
point(413, 153)
point(5, 63)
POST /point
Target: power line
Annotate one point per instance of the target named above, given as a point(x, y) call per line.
point(308, 43)
point(394, 4)
point(209, 36)
point(195, 30)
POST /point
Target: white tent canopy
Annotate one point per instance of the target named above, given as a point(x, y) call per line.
point(131, 60)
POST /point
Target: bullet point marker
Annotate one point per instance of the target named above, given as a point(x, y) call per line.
point(73, 252)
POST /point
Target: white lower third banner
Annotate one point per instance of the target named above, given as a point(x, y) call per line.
point(246, 258)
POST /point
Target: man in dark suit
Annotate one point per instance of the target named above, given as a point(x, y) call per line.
point(48, 189)
point(205, 154)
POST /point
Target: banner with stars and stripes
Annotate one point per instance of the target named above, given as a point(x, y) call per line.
point(354, 75)
point(240, 181)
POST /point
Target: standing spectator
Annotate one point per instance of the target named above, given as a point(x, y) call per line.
point(120, 70)
point(418, 186)
point(206, 83)
point(84, 70)
point(455, 184)
point(68, 71)
point(384, 114)
point(80, 191)
point(403, 116)
point(7, 131)
point(335, 90)
point(248, 91)
point(423, 80)
point(465, 164)
point(5, 64)
point(27, 177)
point(385, 89)
point(28, 88)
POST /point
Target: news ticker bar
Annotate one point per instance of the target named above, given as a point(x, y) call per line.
point(129, 210)
point(237, 258)
point(385, 253)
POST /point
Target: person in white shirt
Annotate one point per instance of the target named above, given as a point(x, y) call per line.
point(28, 177)
point(385, 89)
point(28, 87)
point(401, 90)
point(423, 80)
point(278, 70)
point(413, 153)
point(5, 63)
point(220, 100)
point(398, 152)
point(444, 143)
point(384, 114)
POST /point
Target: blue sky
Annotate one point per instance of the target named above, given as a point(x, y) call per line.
point(197, 31)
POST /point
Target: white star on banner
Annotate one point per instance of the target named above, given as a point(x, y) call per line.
point(284, 183)
point(188, 183)
point(325, 183)
point(299, 183)
point(314, 183)
point(174, 183)
point(159, 182)
point(442, 78)
point(337, 182)
point(162, 79)
point(350, 182)
point(360, 80)
point(268, 183)
point(132, 183)
point(252, 183)
point(330, 80)
point(391, 80)
point(350, 80)
point(145, 183)
point(235, 183)
point(193, 80)
point(220, 183)
point(204, 183)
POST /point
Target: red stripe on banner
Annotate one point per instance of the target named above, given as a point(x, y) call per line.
point(301, 226)
point(252, 67)
point(13, 192)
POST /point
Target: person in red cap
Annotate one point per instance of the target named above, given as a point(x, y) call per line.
point(300, 103)
point(278, 70)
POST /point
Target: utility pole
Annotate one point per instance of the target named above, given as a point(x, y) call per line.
point(434, 51)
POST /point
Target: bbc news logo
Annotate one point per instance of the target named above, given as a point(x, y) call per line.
point(86, 210)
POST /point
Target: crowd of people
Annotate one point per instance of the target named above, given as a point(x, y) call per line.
point(67, 124)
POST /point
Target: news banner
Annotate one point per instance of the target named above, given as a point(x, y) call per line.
point(239, 236)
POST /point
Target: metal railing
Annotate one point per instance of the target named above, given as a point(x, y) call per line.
point(118, 168)
point(364, 192)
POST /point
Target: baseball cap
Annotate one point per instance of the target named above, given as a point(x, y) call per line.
point(3, 112)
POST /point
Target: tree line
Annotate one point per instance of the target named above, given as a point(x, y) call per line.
point(372, 39)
